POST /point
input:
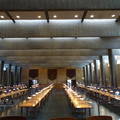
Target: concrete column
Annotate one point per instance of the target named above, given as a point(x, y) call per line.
point(96, 79)
point(14, 74)
point(91, 73)
point(88, 74)
point(103, 71)
point(1, 72)
point(4, 76)
point(8, 82)
point(84, 74)
point(18, 75)
point(86, 71)
point(113, 63)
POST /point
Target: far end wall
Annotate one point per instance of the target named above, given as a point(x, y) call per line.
point(43, 78)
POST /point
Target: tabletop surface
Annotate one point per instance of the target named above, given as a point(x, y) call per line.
point(12, 93)
point(36, 98)
point(77, 100)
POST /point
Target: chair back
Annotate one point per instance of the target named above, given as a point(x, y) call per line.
point(99, 118)
point(63, 119)
point(13, 118)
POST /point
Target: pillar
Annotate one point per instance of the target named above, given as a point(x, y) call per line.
point(4, 76)
point(113, 63)
point(96, 79)
point(91, 73)
point(1, 72)
point(8, 70)
point(18, 75)
point(103, 71)
point(88, 74)
point(86, 71)
point(14, 74)
point(84, 74)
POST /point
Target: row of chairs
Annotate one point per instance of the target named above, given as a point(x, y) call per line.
point(89, 118)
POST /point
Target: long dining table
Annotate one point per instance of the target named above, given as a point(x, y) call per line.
point(77, 101)
point(11, 94)
point(100, 93)
point(35, 100)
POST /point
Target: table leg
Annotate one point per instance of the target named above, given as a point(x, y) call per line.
point(21, 111)
point(89, 112)
point(26, 111)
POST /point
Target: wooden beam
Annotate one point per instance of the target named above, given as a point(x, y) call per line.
point(84, 15)
point(47, 16)
point(9, 15)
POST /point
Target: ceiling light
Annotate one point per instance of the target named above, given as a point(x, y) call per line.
point(76, 16)
point(39, 16)
point(17, 16)
point(55, 16)
point(92, 16)
point(113, 15)
point(2, 16)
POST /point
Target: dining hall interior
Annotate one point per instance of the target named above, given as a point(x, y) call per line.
point(59, 60)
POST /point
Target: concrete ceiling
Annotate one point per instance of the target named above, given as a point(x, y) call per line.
point(52, 57)
point(53, 52)
point(56, 43)
point(56, 52)
point(59, 28)
point(62, 41)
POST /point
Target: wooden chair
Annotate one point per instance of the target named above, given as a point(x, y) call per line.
point(99, 118)
point(13, 118)
point(63, 119)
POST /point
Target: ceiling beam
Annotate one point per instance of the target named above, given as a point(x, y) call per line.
point(53, 52)
point(47, 16)
point(80, 43)
point(84, 15)
point(9, 15)
point(54, 66)
point(55, 63)
point(56, 58)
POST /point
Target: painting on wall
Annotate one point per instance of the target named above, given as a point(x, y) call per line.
point(52, 74)
point(33, 73)
point(71, 73)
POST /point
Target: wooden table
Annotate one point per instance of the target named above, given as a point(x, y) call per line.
point(76, 101)
point(12, 94)
point(103, 93)
point(35, 100)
